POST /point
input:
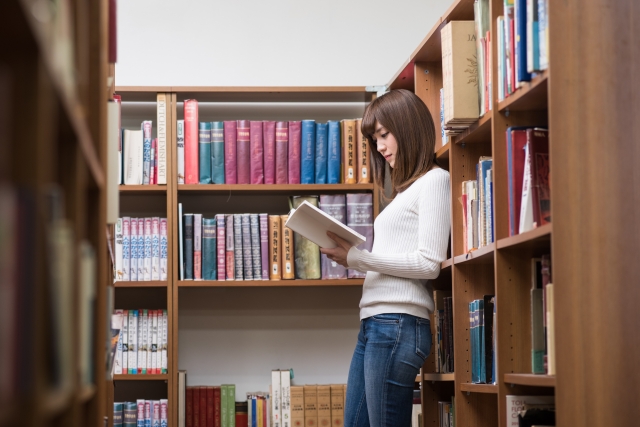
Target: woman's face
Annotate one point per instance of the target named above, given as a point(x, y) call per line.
point(386, 143)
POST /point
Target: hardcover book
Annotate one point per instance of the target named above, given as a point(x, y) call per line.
point(126, 248)
point(322, 146)
point(247, 255)
point(133, 153)
point(230, 142)
point(269, 140)
point(334, 205)
point(297, 406)
point(161, 167)
point(230, 248)
point(282, 142)
point(275, 248)
point(310, 406)
point(295, 143)
point(288, 269)
point(243, 152)
point(197, 246)
point(191, 141)
point(349, 150)
point(257, 153)
point(146, 151)
point(308, 152)
point(334, 153)
point(155, 248)
point(307, 253)
point(516, 140)
point(217, 152)
point(237, 244)
point(180, 145)
point(364, 175)
point(221, 247)
point(360, 219)
point(209, 249)
point(256, 258)
point(337, 405)
point(147, 248)
point(538, 139)
point(324, 405)
point(188, 246)
point(204, 144)
point(264, 245)
point(163, 248)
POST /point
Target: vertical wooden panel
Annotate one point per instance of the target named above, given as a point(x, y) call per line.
point(172, 229)
point(428, 82)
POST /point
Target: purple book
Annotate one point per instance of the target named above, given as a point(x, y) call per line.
point(243, 152)
point(256, 168)
point(256, 259)
point(230, 171)
point(360, 218)
point(336, 206)
point(247, 256)
point(295, 132)
point(282, 141)
point(264, 245)
point(269, 138)
point(221, 247)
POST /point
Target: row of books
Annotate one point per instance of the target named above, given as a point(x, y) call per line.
point(260, 246)
point(443, 340)
point(477, 207)
point(141, 342)
point(140, 249)
point(270, 152)
point(209, 406)
point(530, 411)
point(446, 413)
point(542, 317)
point(523, 43)
point(482, 321)
point(142, 412)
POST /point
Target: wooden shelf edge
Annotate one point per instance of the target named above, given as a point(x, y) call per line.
point(443, 152)
point(274, 187)
point(479, 388)
point(523, 91)
point(123, 188)
point(531, 380)
point(439, 377)
point(267, 283)
point(142, 284)
point(482, 124)
point(244, 89)
point(446, 263)
point(141, 377)
point(529, 236)
point(478, 254)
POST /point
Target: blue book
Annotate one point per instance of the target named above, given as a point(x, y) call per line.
point(217, 152)
point(334, 158)
point(204, 151)
point(188, 246)
point(209, 248)
point(521, 41)
point(472, 342)
point(481, 348)
point(322, 136)
point(254, 410)
point(118, 408)
point(542, 34)
point(146, 151)
point(308, 153)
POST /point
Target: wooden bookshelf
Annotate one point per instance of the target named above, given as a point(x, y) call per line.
point(531, 380)
point(481, 255)
point(142, 189)
point(276, 188)
point(142, 284)
point(531, 96)
point(267, 283)
point(438, 377)
point(538, 237)
point(476, 133)
point(141, 377)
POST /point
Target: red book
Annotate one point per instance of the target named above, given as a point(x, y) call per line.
point(113, 32)
point(196, 407)
point(243, 150)
point(242, 419)
point(538, 140)
point(191, 171)
point(210, 404)
point(518, 141)
point(282, 141)
point(269, 139)
point(188, 413)
point(256, 167)
point(217, 415)
point(230, 168)
point(203, 406)
point(295, 138)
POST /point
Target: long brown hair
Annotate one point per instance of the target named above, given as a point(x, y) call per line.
point(408, 119)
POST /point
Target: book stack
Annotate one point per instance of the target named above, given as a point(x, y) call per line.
point(142, 342)
point(443, 340)
point(141, 413)
point(140, 249)
point(481, 327)
point(542, 319)
point(270, 152)
point(477, 207)
point(210, 406)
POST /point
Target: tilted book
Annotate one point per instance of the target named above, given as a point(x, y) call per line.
point(308, 152)
point(334, 152)
point(197, 246)
point(217, 152)
point(286, 234)
point(204, 150)
point(334, 205)
point(364, 170)
point(230, 166)
point(237, 245)
point(275, 248)
point(256, 153)
point(349, 151)
point(264, 245)
point(230, 249)
point(269, 148)
point(155, 248)
point(188, 246)
point(307, 253)
point(256, 259)
point(282, 142)
point(191, 141)
point(209, 249)
point(243, 152)
point(146, 151)
point(180, 145)
point(247, 256)
point(221, 247)
point(322, 136)
point(294, 158)
point(161, 113)
point(360, 219)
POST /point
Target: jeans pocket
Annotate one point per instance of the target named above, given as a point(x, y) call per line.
point(423, 337)
point(386, 318)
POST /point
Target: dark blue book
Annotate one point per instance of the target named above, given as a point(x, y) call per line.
point(188, 246)
point(217, 152)
point(521, 41)
point(247, 256)
point(322, 137)
point(308, 162)
point(118, 414)
point(481, 348)
point(209, 248)
point(204, 147)
point(130, 412)
point(334, 150)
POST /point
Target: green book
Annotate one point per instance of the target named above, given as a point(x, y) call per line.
point(307, 253)
point(224, 405)
point(231, 404)
point(217, 152)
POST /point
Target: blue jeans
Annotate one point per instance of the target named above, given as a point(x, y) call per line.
point(391, 350)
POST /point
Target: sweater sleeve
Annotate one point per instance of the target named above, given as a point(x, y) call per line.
point(434, 213)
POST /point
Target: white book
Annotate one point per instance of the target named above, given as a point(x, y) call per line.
point(113, 176)
point(133, 249)
point(164, 366)
point(143, 325)
point(180, 143)
point(155, 248)
point(285, 394)
point(164, 409)
point(126, 248)
point(163, 248)
point(526, 206)
point(155, 417)
point(133, 341)
point(515, 404)
point(125, 341)
point(154, 342)
point(161, 108)
point(313, 224)
point(276, 402)
point(133, 157)
point(117, 319)
point(140, 249)
point(149, 344)
point(118, 272)
point(181, 251)
point(148, 248)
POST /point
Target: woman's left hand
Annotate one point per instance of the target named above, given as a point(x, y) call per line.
point(339, 253)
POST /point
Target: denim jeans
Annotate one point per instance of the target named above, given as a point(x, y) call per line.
point(391, 350)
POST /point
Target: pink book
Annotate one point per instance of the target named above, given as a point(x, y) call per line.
point(192, 174)
point(282, 141)
point(243, 150)
point(295, 133)
point(133, 260)
point(256, 168)
point(221, 247)
point(230, 171)
point(269, 138)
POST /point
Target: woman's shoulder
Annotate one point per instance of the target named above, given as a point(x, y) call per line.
point(436, 176)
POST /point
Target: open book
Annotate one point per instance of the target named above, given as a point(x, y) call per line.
point(313, 224)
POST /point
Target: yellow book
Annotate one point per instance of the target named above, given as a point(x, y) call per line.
point(337, 404)
point(288, 269)
point(260, 409)
point(364, 163)
point(349, 142)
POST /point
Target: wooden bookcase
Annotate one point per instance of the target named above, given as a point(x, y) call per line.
point(53, 132)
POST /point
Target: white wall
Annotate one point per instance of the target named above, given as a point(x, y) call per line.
point(268, 43)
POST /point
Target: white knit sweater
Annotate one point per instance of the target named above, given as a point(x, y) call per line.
point(411, 239)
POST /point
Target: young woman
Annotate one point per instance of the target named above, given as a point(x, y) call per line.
point(411, 238)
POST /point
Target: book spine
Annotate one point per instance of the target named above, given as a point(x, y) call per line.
point(154, 160)
point(147, 248)
point(360, 218)
point(243, 151)
point(256, 259)
point(295, 150)
point(144, 354)
point(164, 409)
point(180, 145)
point(210, 411)
point(217, 152)
point(256, 153)
point(117, 268)
point(269, 140)
point(539, 141)
point(224, 407)
point(197, 247)
point(310, 405)
point(155, 248)
point(126, 248)
point(230, 249)
point(334, 153)
point(209, 249)
point(336, 206)
point(154, 342)
point(161, 115)
point(217, 422)
point(133, 341)
point(324, 405)
point(364, 175)
point(147, 413)
point(203, 406)
point(308, 152)
point(349, 150)
point(521, 40)
point(274, 248)
point(118, 409)
point(247, 256)
point(231, 402)
point(221, 249)
point(276, 406)
point(188, 246)
point(130, 414)
point(285, 387)
point(132, 157)
point(196, 407)
point(164, 366)
point(322, 153)
point(204, 151)
point(297, 406)
point(306, 253)
point(237, 244)
point(287, 249)
point(150, 345)
point(133, 242)
point(117, 362)
point(191, 141)
point(146, 151)
point(282, 142)
point(188, 413)
point(125, 341)
point(140, 249)
point(180, 242)
point(140, 413)
point(163, 249)
point(230, 143)
point(264, 245)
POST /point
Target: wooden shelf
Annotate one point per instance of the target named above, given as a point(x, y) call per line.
point(478, 132)
point(532, 96)
point(273, 188)
point(483, 255)
point(443, 152)
point(439, 377)
point(142, 284)
point(267, 283)
point(479, 388)
point(141, 377)
point(446, 263)
point(143, 189)
point(531, 380)
point(538, 237)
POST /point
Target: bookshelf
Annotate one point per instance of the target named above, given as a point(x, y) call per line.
point(53, 158)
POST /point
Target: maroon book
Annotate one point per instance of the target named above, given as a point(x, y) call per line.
point(210, 416)
point(538, 140)
point(243, 157)
point(217, 415)
point(188, 413)
point(269, 139)
point(295, 137)
point(191, 144)
point(196, 407)
point(518, 141)
point(203, 406)
point(113, 32)
point(256, 167)
point(282, 141)
point(230, 171)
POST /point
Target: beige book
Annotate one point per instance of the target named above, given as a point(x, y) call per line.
point(364, 157)
point(288, 269)
point(275, 248)
point(324, 406)
point(162, 137)
point(551, 332)
point(349, 141)
point(297, 406)
point(459, 72)
point(344, 396)
point(310, 406)
point(337, 404)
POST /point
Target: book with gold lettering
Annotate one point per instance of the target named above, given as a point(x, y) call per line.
point(349, 168)
point(288, 269)
point(274, 248)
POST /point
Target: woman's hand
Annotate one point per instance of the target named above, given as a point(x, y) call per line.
point(338, 254)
